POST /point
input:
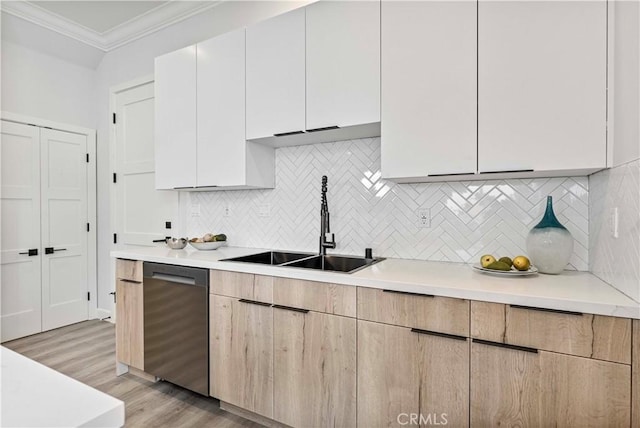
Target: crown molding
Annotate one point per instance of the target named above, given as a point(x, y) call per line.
point(149, 22)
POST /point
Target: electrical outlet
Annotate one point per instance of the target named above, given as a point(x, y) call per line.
point(264, 210)
point(227, 211)
point(424, 217)
point(195, 210)
point(613, 222)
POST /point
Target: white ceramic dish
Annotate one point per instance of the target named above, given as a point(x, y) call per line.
point(532, 271)
point(207, 246)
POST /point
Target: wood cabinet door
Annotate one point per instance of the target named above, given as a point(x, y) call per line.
point(276, 75)
point(514, 387)
point(429, 96)
point(542, 85)
point(241, 353)
point(387, 375)
point(342, 63)
point(221, 159)
point(314, 369)
point(130, 323)
point(175, 119)
point(411, 377)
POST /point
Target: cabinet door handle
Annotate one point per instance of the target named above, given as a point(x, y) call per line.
point(51, 250)
point(438, 334)
point(31, 252)
point(254, 302)
point(408, 293)
point(505, 345)
point(555, 311)
point(129, 281)
point(451, 174)
point(162, 240)
point(284, 134)
point(506, 171)
point(113, 293)
point(290, 308)
point(324, 128)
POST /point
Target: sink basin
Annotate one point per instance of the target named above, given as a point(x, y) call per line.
point(270, 258)
point(334, 263)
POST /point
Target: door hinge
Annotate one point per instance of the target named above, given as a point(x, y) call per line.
point(87, 157)
point(88, 227)
point(114, 118)
point(115, 238)
point(88, 295)
point(115, 178)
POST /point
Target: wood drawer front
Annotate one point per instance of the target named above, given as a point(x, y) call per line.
point(315, 296)
point(583, 335)
point(129, 269)
point(441, 314)
point(241, 285)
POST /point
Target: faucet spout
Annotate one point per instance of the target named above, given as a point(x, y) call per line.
point(327, 239)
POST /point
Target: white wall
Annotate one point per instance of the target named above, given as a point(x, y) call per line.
point(39, 85)
point(136, 60)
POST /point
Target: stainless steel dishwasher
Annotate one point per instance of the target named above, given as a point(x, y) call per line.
point(176, 325)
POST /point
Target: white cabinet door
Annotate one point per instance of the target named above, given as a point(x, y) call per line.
point(276, 75)
point(221, 111)
point(140, 211)
point(63, 178)
point(20, 313)
point(428, 88)
point(175, 119)
point(542, 85)
point(343, 63)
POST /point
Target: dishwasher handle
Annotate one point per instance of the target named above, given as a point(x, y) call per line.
point(174, 273)
point(174, 278)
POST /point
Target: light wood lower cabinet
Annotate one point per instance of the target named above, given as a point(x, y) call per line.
point(516, 387)
point(314, 369)
point(241, 354)
point(405, 375)
point(129, 313)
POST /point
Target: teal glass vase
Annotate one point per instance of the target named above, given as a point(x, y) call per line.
point(549, 243)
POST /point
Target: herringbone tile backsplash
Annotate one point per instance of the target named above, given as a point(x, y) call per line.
point(616, 260)
point(467, 219)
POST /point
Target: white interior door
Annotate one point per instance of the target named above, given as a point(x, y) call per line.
point(141, 211)
point(63, 178)
point(20, 313)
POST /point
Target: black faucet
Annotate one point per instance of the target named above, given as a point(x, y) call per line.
point(325, 228)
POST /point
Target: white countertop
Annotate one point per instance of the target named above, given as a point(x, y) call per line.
point(570, 291)
point(34, 395)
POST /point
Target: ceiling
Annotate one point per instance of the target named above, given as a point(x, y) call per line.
point(105, 25)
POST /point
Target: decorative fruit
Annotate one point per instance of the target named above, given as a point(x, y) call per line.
point(521, 263)
point(506, 260)
point(220, 237)
point(486, 260)
point(499, 266)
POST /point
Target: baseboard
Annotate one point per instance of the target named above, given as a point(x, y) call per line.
point(103, 314)
point(254, 417)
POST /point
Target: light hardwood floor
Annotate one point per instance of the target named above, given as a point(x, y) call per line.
point(86, 352)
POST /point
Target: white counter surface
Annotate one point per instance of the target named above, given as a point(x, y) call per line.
point(33, 395)
point(570, 291)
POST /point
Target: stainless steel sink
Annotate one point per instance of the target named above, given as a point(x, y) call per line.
point(270, 258)
point(334, 263)
point(331, 263)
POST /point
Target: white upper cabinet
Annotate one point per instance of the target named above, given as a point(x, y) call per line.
point(428, 89)
point(343, 63)
point(276, 75)
point(175, 119)
point(542, 85)
point(221, 110)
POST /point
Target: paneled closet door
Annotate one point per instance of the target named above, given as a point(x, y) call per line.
point(20, 313)
point(63, 178)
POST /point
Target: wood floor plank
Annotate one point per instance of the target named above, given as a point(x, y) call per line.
point(86, 352)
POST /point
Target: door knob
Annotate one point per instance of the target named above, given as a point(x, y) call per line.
point(51, 250)
point(31, 252)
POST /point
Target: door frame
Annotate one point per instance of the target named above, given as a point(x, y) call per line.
point(92, 244)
